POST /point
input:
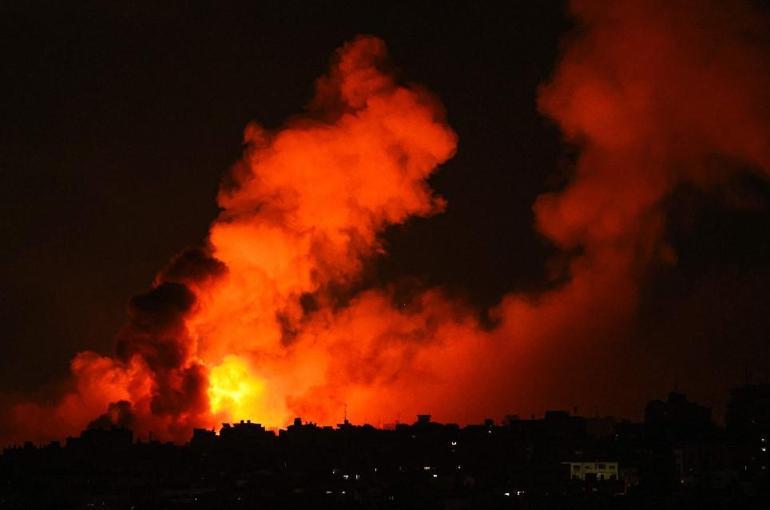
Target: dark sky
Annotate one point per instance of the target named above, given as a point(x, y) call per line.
point(119, 119)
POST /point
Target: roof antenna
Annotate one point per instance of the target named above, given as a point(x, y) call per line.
point(346, 414)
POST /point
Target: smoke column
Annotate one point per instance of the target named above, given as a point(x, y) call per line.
point(243, 327)
point(263, 322)
point(655, 95)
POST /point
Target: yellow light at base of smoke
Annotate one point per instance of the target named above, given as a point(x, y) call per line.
point(233, 390)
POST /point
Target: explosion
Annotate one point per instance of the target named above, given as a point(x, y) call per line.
point(266, 320)
point(232, 388)
point(252, 325)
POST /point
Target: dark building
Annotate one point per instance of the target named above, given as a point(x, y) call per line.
point(677, 418)
point(677, 458)
point(748, 428)
point(102, 439)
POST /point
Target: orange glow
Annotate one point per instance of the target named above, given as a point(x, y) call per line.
point(266, 322)
point(233, 390)
point(248, 328)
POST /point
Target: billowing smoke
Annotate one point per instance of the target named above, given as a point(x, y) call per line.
point(119, 414)
point(235, 330)
point(653, 94)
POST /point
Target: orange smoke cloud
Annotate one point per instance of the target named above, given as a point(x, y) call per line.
point(654, 94)
point(238, 330)
point(303, 210)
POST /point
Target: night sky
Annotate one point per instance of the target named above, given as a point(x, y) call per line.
point(120, 119)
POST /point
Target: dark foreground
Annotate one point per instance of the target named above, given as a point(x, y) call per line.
point(676, 459)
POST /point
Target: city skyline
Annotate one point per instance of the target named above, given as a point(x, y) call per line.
point(676, 456)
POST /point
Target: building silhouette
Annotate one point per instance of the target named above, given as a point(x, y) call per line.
point(676, 458)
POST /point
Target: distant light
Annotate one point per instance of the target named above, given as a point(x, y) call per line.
point(454, 443)
point(328, 492)
point(345, 476)
point(459, 466)
point(435, 476)
point(506, 493)
point(358, 477)
point(520, 493)
point(764, 449)
point(426, 468)
point(342, 492)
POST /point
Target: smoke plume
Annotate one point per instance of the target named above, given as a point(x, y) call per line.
point(653, 94)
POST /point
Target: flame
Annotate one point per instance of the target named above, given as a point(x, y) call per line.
point(234, 390)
